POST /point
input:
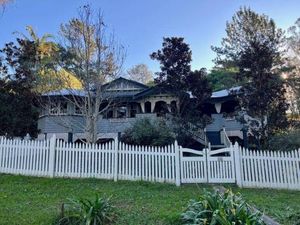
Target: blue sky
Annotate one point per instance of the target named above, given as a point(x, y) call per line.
point(140, 25)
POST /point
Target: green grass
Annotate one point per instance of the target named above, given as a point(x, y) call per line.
point(282, 205)
point(29, 200)
point(36, 201)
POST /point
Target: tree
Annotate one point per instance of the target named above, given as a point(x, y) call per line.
point(18, 116)
point(221, 78)
point(253, 46)
point(293, 65)
point(175, 58)
point(18, 113)
point(93, 56)
point(140, 73)
point(3, 3)
point(176, 76)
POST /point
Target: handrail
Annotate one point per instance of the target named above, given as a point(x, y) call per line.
point(195, 131)
point(224, 136)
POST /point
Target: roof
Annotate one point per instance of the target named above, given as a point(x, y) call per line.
point(116, 93)
point(66, 92)
point(120, 79)
point(151, 91)
point(140, 91)
point(226, 92)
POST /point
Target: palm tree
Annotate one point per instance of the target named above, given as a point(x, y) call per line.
point(44, 47)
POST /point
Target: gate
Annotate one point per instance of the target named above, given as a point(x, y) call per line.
point(207, 166)
point(193, 166)
point(221, 166)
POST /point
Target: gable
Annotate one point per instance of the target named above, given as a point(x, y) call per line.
point(122, 84)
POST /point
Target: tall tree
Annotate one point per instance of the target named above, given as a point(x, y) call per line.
point(253, 46)
point(176, 75)
point(293, 65)
point(140, 73)
point(18, 114)
point(94, 58)
point(175, 63)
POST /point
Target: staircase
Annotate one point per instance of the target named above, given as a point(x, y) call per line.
point(197, 133)
point(218, 139)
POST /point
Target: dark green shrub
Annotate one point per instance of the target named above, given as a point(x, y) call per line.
point(87, 212)
point(220, 209)
point(285, 141)
point(149, 132)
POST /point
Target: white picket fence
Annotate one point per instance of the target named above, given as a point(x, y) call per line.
point(172, 164)
point(112, 160)
point(268, 169)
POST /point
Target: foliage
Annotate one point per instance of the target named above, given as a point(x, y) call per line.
point(293, 66)
point(252, 45)
point(93, 56)
point(220, 79)
point(289, 140)
point(176, 76)
point(99, 211)
point(18, 116)
point(140, 73)
point(149, 132)
point(175, 58)
point(216, 209)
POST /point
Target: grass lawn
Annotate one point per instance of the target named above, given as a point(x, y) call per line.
point(36, 201)
point(282, 205)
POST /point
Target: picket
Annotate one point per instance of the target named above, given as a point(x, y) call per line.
point(173, 164)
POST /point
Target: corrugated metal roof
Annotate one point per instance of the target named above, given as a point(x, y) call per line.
point(225, 92)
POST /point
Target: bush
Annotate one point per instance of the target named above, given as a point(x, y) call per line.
point(285, 141)
point(149, 132)
point(217, 209)
point(86, 212)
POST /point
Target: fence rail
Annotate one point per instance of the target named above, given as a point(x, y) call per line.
point(172, 164)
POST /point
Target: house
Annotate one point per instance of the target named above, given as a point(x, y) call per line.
point(130, 101)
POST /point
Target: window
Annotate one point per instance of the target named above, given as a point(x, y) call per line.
point(122, 112)
point(147, 107)
point(54, 108)
point(57, 108)
point(133, 113)
point(63, 108)
point(110, 114)
point(78, 110)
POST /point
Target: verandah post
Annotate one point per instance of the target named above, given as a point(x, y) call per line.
point(52, 155)
point(177, 164)
point(116, 156)
point(237, 162)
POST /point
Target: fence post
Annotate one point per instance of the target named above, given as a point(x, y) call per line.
point(52, 155)
point(116, 156)
point(206, 152)
point(177, 164)
point(237, 162)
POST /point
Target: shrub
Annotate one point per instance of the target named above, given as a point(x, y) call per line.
point(149, 132)
point(86, 212)
point(217, 209)
point(285, 141)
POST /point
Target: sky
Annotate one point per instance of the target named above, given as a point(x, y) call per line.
point(140, 25)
